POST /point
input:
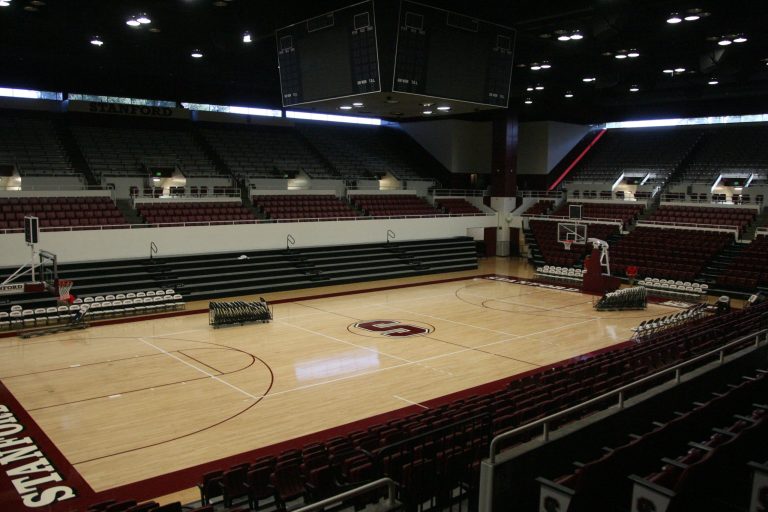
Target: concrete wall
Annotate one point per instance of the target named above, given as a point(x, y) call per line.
point(93, 245)
point(461, 146)
point(543, 144)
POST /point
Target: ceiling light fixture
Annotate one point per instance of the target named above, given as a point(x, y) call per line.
point(679, 70)
point(539, 87)
point(563, 37)
point(576, 36)
point(346, 107)
point(96, 41)
point(692, 17)
point(588, 79)
point(535, 67)
point(247, 37)
point(633, 54)
point(620, 56)
point(568, 94)
point(741, 38)
point(528, 101)
point(196, 54)
point(427, 112)
point(546, 65)
point(724, 42)
point(133, 22)
point(5, 3)
point(713, 81)
point(444, 108)
point(674, 19)
point(357, 104)
point(669, 71)
point(143, 19)
point(529, 89)
point(634, 88)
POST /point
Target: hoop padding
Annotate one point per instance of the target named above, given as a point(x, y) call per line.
point(65, 285)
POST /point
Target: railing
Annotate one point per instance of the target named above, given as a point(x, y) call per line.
point(458, 192)
point(710, 227)
point(761, 231)
point(563, 218)
point(540, 193)
point(390, 503)
point(619, 394)
point(242, 222)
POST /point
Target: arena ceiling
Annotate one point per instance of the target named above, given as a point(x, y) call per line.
point(46, 44)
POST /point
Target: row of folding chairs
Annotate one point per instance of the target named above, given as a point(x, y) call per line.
point(135, 306)
point(655, 325)
point(123, 296)
point(675, 289)
point(625, 298)
point(561, 273)
point(229, 313)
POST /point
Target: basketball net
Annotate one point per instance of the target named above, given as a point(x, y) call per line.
point(567, 244)
point(65, 285)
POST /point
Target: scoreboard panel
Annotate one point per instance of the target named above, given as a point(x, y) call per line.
point(449, 55)
point(330, 56)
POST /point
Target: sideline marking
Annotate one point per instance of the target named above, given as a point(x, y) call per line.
point(410, 402)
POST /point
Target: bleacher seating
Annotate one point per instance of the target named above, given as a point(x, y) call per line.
point(677, 254)
point(393, 205)
point(630, 150)
point(730, 149)
point(457, 206)
point(266, 152)
point(123, 149)
point(60, 212)
point(750, 268)
point(186, 212)
point(541, 207)
point(736, 217)
point(555, 253)
point(303, 207)
point(369, 153)
point(33, 146)
point(613, 211)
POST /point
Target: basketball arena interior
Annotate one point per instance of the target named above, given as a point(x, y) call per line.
point(383, 255)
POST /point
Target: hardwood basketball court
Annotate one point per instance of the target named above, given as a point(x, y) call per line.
point(135, 401)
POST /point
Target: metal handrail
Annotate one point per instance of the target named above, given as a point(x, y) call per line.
point(458, 192)
point(566, 218)
point(619, 392)
point(357, 491)
point(720, 227)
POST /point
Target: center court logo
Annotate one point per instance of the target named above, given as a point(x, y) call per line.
point(391, 328)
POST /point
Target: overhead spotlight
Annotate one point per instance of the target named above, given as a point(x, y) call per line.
point(633, 54)
point(528, 101)
point(669, 71)
point(427, 112)
point(96, 41)
point(535, 66)
point(713, 81)
point(5, 3)
point(679, 70)
point(563, 37)
point(620, 56)
point(529, 89)
point(576, 36)
point(357, 104)
point(674, 19)
point(143, 19)
point(444, 108)
point(247, 37)
point(346, 107)
point(539, 87)
point(692, 17)
point(588, 79)
point(634, 88)
point(724, 42)
point(133, 22)
point(196, 54)
point(568, 94)
point(741, 38)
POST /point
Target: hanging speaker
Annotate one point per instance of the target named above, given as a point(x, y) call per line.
point(31, 229)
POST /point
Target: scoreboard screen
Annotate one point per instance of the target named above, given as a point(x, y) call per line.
point(453, 56)
point(329, 56)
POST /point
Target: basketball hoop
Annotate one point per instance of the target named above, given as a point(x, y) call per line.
point(65, 285)
point(567, 244)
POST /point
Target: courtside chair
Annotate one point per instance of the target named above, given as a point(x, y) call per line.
point(210, 487)
point(5, 321)
point(258, 485)
point(233, 485)
point(288, 484)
